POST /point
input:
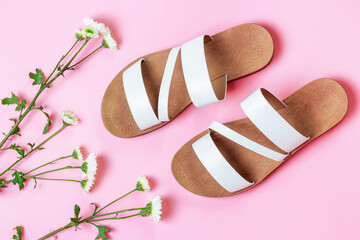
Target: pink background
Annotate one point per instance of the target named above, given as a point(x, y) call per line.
point(315, 195)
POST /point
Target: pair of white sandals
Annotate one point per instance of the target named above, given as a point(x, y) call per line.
point(232, 157)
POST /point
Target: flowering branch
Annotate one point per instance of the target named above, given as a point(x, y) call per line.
point(152, 209)
point(88, 169)
point(90, 31)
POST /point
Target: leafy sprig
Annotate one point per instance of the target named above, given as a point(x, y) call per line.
point(19, 232)
point(150, 209)
point(19, 178)
point(14, 100)
point(66, 63)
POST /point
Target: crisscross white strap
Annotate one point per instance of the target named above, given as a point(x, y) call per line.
point(197, 81)
point(196, 73)
point(217, 166)
point(163, 103)
point(245, 142)
point(270, 122)
point(137, 97)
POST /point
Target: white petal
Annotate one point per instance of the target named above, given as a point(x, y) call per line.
point(144, 183)
point(69, 118)
point(109, 41)
point(78, 153)
point(98, 28)
point(88, 185)
point(156, 208)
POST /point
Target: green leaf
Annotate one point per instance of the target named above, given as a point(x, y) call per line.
point(19, 179)
point(75, 220)
point(21, 106)
point(76, 210)
point(20, 151)
point(19, 231)
point(95, 207)
point(17, 148)
point(35, 185)
point(38, 77)
point(16, 131)
point(32, 145)
point(13, 100)
point(102, 230)
point(46, 128)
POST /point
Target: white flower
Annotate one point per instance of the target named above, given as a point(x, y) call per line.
point(109, 42)
point(90, 31)
point(142, 184)
point(87, 184)
point(89, 167)
point(100, 27)
point(69, 118)
point(79, 34)
point(93, 28)
point(155, 210)
point(77, 154)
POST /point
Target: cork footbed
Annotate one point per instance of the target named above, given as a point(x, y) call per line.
point(311, 110)
point(237, 52)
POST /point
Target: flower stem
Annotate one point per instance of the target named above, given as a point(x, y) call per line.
point(51, 162)
point(88, 220)
point(111, 213)
point(57, 179)
point(62, 58)
point(32, 150)
point(86, 57)
point(114, 201)
point(53, 170)
point(5, 183)
point(56, 231)
point(114, 218)
point(66, 67)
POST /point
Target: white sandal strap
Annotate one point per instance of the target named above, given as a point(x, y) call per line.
point(270, 122)
point(217, 166)
point(137, 97)
point(197, 81)
point(163, 103)
point(196, 73)
point(247, 143)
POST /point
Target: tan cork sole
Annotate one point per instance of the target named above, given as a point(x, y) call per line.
point(312, 110)
point(237, 52)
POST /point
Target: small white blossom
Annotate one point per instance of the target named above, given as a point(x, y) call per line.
point(79, 34)
point(93, 29)
point(89, 167)
point(142, 184)
point(99, 27)
point(69, 118)
point(109, 42)
point(90, 32)
point(77, 154)
point(87, 184)
point(156, 206)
